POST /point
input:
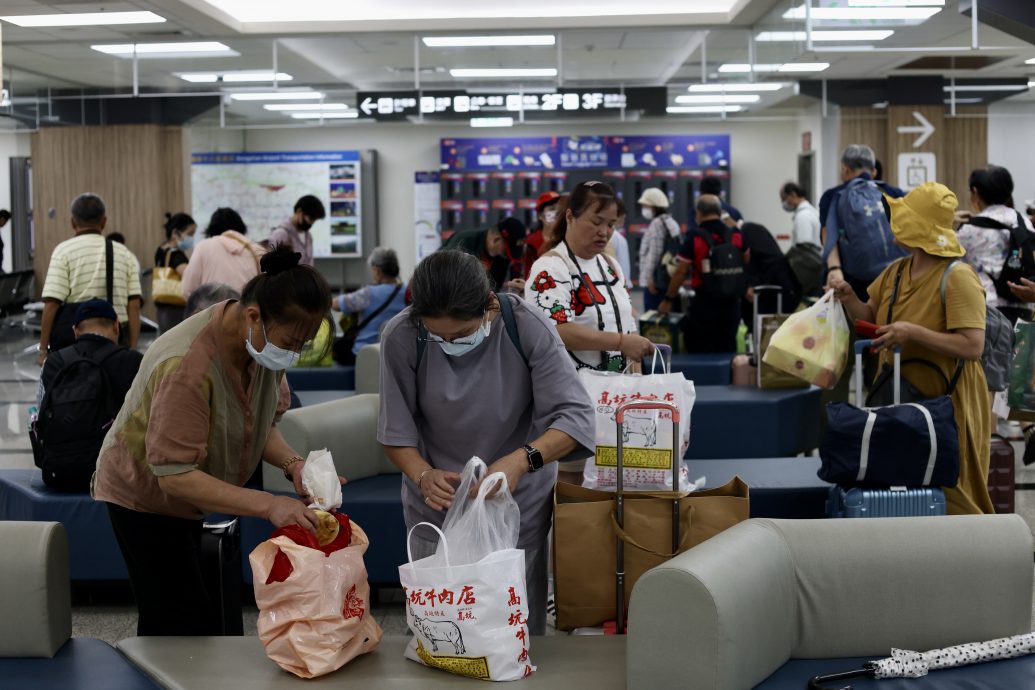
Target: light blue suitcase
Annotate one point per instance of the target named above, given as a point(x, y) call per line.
point(863, 503)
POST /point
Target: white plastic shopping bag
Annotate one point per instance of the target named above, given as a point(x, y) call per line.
point(812, 344)
point(467, 605)
point(647, 434)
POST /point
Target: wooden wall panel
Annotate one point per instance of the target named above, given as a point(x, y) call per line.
point(139, 170)
point(865, 125)
point(966, 148)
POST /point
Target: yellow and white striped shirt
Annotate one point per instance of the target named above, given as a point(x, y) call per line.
point(77, 272)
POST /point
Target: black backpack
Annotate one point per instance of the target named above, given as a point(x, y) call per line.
point(725, 276)
point(1021, 241)
point(76, 412)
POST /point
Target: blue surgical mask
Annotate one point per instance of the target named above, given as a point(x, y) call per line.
point(461, 346)
point(186, 244)
point(271, 357)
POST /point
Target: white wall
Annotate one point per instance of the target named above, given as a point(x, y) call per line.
point(764, 155)
point(1011, 136)
point(11, 144)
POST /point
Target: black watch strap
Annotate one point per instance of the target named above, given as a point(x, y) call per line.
point(535, 458)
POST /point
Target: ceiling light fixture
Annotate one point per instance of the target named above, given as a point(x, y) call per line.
point(693, 109)
point(504, 73)
point(793, 67)
point(488, 41)
point(789, 67)
point(277, 96)
point(492, 122)
point(84, 19)
point(744, 68)
point(1030, 62)
point(330, 115)
point(896, 3)
point(865, 13)
point(823, 36)
point(730, 88)
point(165, 50)
point(306, 106)
point(232, 77)
point(719, 98)
point(198, 77)
point(963, 101)
point(986, 87)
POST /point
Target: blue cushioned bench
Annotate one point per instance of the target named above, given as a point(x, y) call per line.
point(706, 369)
point(375, 503)
point(81, 664)
point(93, 551)
point(335, 377)
point(745, 422)
point(780, 487)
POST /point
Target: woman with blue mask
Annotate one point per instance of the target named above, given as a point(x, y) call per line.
point(199, 418)
point(179, 240)
point(468, 372)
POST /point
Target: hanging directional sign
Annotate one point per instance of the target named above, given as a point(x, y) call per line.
point(399, 105)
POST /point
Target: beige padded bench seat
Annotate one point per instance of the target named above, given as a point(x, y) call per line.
point(564, 662)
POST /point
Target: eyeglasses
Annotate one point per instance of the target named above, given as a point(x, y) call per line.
point(458, 340)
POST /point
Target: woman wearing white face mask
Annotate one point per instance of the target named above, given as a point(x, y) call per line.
point(179, 239)
point(464, 373)
point(199, 418)
point(661, 236)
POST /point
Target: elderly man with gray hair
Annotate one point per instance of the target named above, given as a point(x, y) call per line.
point(852, 215)
point(84, 267)
point(371, 306)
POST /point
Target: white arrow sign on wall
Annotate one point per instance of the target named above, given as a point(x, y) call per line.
point(925, 129)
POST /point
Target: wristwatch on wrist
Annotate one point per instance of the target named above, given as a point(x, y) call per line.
point(834, 268)
point(535, 459)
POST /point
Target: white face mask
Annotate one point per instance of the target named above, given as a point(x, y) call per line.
point(271, 357)
point(550, 216)
point(647, 213)
point(461, 346)
point(789, 207)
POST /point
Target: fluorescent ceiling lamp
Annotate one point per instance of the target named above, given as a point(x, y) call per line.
point(719, 98)
point(330, 115)
point(1030, 62)
point(505, 73)
point(866, 13)
point(730, 88)
point(896, 3)
point(85, 19)
point(691, 109)
point(144, 50)
point(743, 68)
point(326, 107)
point(963, 101)
point(277, 96)
point(492, 122)
point(234, 77)
point(247, 11)
point(820, 36)
point(986, 87)
point(198, 77)
point(488, 41)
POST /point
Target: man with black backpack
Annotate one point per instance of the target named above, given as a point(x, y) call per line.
point(857, 240)
point(714, 255)
point(81, 390)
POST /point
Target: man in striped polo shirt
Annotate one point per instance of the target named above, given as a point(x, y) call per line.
point(78, 272)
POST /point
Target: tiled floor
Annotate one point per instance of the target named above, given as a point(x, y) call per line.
point(110, 615)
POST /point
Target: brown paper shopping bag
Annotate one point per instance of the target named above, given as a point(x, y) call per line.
point(585, 533)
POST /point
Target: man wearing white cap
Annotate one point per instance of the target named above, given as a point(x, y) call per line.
point(660, 241)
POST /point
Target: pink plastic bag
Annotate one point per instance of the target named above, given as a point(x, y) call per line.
point(318, 619)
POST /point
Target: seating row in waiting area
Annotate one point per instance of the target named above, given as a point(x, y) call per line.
point(766, 604)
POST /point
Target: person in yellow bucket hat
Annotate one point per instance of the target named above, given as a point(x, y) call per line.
point(946, 336)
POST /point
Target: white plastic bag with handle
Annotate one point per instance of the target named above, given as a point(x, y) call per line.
point(467, 604)
point(320, 481)
point(812, 344)
point(647, 434)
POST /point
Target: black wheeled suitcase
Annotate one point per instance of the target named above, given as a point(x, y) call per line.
point(221, 570)
point(895, 501)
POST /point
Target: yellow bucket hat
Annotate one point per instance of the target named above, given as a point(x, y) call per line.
point(923, 219)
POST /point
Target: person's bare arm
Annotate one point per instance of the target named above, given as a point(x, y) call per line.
point(278, 451)
point(576, 337)
point(50, 310)
point(856, 308)
point(553, 445)
point(965, 343)
point(133, 311)
point(437, 486)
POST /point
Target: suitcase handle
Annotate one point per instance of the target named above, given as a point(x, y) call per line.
point(645, 405)
point(860, 347)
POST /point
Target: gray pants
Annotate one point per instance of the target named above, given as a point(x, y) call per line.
point(535, 577)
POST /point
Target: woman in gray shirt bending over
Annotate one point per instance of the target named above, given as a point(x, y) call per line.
point(462, 374)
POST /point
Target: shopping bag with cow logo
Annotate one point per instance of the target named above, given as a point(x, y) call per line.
point(467, 605)
point(646, 434)
point(314, 599)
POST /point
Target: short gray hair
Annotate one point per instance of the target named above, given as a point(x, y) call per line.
point(207, 295)
point(88, 209)
point(858, 157)
point(385, 260)
point(707, 206)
